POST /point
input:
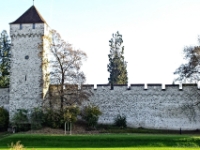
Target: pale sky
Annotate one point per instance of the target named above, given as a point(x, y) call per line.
point(154, 32)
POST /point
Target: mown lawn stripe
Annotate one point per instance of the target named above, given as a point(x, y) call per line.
point(103, 141)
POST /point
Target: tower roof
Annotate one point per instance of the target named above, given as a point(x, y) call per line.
point(30, 16)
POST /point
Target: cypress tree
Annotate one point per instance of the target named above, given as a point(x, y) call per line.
point(117, 66)
point(5, 45)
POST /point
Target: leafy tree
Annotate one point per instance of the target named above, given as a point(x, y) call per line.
point(5, 45)
point(190, 71)
point(70, 115)
point(91, 115)
point(66, 74)
point(52, 118)
point(117, 67)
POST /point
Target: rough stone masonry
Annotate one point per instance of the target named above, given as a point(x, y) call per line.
point(153, 107)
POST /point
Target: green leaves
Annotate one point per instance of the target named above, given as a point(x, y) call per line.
point(91, 115)
point(117, 66)
point(71, 113)
point(4, 81)
point(120, 121)
point(37, 118)
point(5, 45)
point(20, 120)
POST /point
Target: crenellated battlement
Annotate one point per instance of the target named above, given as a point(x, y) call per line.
point(150, 86)
point(154, 106)
point(27, 30)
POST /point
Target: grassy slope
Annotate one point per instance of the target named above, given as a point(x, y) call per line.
point(102, 141)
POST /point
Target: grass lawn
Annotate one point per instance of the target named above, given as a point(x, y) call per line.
point(103, 141)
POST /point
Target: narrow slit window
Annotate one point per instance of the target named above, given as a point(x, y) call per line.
point(33, 25)
point(20, 26)
point(25, 77)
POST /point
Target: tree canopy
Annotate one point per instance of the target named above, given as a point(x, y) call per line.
point(190, 71)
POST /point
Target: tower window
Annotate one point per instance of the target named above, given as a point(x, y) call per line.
point(20, 26)
point(26, 57)
point(33, 25)
point(25, 77)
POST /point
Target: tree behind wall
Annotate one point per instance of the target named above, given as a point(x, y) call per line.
point(117, 66)
point(190, 71)
point(66, 73)
point(5, 45)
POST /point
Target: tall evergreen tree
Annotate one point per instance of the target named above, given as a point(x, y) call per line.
point(117, 66)
point(5, 45)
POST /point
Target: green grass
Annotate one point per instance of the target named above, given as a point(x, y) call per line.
point(103, 141)
point(4, 134)
point(130, 148)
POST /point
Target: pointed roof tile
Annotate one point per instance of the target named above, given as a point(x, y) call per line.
point(30, 16)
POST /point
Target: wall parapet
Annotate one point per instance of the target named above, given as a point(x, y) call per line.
point(149, 86)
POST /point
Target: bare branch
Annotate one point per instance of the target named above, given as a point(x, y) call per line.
point(66, 72)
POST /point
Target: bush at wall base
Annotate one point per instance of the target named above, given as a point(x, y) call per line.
point(20, 120)
point(4, 119)
point(53, 119)
point(120, 121)
point(91, 115)
point(37, 119)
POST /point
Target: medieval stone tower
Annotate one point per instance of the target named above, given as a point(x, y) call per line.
point(29, 79)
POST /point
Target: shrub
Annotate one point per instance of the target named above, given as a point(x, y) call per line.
point(37, 118)
point(17, 146)
point(71, 113)
point(4, 119)
point(91, 115)
point(120, 121)
point(20, 120)
point(53, 119)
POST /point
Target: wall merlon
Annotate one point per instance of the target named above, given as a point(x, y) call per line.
point(103, 85)
point(154, 86)
point(172, 85)
point(120, 85)
point(88, 85)
point(137, 84)
point(189, 84)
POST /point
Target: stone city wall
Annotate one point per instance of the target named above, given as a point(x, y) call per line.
point(151, 107)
